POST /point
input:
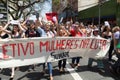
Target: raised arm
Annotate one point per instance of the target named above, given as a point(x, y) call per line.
point(6, 26)
point(23, 25)
point(5, 30)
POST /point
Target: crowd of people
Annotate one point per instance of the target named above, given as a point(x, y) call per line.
point(30, 28)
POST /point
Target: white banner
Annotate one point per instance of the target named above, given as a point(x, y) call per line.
point(21, 52)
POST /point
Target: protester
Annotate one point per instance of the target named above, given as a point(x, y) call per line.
point(107, 34)
point(89, 30)
point(16, 32)
point(76, 32)
point(50, 34)
point(53, 28)
point(3, 35)
point(115, 68)
point(38, 29)
point(30, 29)
point(83, 30)
point(63, 33)
point(68, 26)
point(100, 64)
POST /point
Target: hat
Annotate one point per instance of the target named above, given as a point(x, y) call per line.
point(106, 23)
point(68, 22)
point(77, 23)
point(96, 29)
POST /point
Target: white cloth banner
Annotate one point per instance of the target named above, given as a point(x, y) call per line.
point(21, 52)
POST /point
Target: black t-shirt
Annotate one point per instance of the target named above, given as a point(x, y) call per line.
point(32, 33)
point(4, 36)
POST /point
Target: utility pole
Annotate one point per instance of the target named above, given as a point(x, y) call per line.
point(99, 8)
point(118, 12)
point(99, 17)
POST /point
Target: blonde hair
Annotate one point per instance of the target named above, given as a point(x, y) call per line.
point(116, 28)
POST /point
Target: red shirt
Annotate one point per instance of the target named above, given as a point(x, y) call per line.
point(75, 33)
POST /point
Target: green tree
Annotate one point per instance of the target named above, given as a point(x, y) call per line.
point(18, 8)
point(56, 5)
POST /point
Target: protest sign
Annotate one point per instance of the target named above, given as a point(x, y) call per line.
point(27, 51)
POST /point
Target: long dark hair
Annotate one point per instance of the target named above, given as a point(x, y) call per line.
point(15, 25)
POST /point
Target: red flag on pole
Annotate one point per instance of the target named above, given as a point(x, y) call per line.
point(52, 17)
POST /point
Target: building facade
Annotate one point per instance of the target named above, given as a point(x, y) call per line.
point(4, 12)
point(108, 11)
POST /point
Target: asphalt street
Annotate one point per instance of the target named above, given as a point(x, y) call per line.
point(80, 73)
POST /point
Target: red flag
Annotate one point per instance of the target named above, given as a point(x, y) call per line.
point(52, 17)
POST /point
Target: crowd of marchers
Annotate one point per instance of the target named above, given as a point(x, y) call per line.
point(38, 28)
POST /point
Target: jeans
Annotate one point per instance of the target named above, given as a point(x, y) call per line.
point(49, 67)
point(49, 64)
point(99, 62)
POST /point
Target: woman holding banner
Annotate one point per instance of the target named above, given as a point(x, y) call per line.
point(3, 35)
point(63, 33)
point(100, 64)
point(49, 33)
point(107, 34)
point(76, 32)
point(47, 30)
point(31, 31)
point(16, 32)
point(115, 68)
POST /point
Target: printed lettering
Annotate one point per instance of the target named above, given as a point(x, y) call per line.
point(31, 48)
point(45, 44)
point(4, 50)
point(13, 49)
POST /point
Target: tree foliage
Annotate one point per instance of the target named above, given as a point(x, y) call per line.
point(56, 2)
point(18, 8)
point(56, 5)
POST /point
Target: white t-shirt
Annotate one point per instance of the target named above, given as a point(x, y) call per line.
point(117, 35)
point(50, 34)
